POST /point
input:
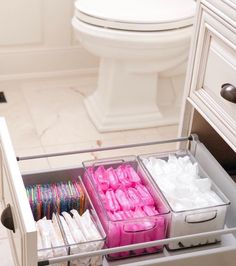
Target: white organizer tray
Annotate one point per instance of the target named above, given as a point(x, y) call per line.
point(192, 221)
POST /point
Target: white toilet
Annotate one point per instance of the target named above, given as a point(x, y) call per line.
point(143, 47)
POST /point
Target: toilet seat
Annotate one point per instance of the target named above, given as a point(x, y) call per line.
point(136, 15)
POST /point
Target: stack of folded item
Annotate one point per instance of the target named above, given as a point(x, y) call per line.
point(49, 238)
point(46, 199)
point(79, 232)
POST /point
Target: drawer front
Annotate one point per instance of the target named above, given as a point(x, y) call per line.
point(214, 64)
point(24, 239)
point(15, 237)
point(224, 8)
point(220, 69)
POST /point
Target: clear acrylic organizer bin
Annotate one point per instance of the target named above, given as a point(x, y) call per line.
point(126, 231)
point(191, 221)
point(67, 248)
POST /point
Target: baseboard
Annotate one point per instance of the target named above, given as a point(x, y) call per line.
point(48, 62)
point(91, 72)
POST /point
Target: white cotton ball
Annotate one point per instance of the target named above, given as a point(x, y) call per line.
point(181, 192)
point(185, 190)
point(166, 186)
point(203, 184)
point(158, 168)
point(185, 178)
point(191, 169)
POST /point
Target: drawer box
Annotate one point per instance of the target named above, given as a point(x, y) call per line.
point(24, 238)
point(188, 220)
point(129, 229)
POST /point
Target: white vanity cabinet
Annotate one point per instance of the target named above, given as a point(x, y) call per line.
point(211, 80)
point(212, 63)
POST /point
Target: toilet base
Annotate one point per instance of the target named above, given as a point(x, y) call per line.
point(113, 122)
point(129, 92)
point(129, 97)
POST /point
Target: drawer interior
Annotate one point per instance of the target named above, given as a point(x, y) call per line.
point(212, 168)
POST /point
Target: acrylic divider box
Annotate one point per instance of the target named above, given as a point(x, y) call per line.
point(54, 209)
point(130, 210)
point(188, 220)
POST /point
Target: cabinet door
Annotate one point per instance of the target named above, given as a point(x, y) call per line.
point(22, 232)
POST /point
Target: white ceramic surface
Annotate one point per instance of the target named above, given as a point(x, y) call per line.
point(131, 66)
point(143, 10)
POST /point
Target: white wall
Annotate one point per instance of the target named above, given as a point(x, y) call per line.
point(36, 36)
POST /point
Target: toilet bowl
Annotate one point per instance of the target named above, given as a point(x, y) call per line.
point(143, 48)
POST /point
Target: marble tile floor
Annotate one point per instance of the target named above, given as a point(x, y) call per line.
point(48, 116)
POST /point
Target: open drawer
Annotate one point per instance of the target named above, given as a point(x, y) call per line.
point(23, 233)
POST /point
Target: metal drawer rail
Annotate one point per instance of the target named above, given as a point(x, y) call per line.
point(46, 155)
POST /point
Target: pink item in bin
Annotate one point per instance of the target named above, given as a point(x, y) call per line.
point(150, 210)
point(113, 179)
point(134, 196)
point(102, 178)
point(132, 175)
point(123, 177)
point(126, 238)
point(140, 229)
point(111, 202)
point(123, 199)
point(129, 209)
point(144, 194)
